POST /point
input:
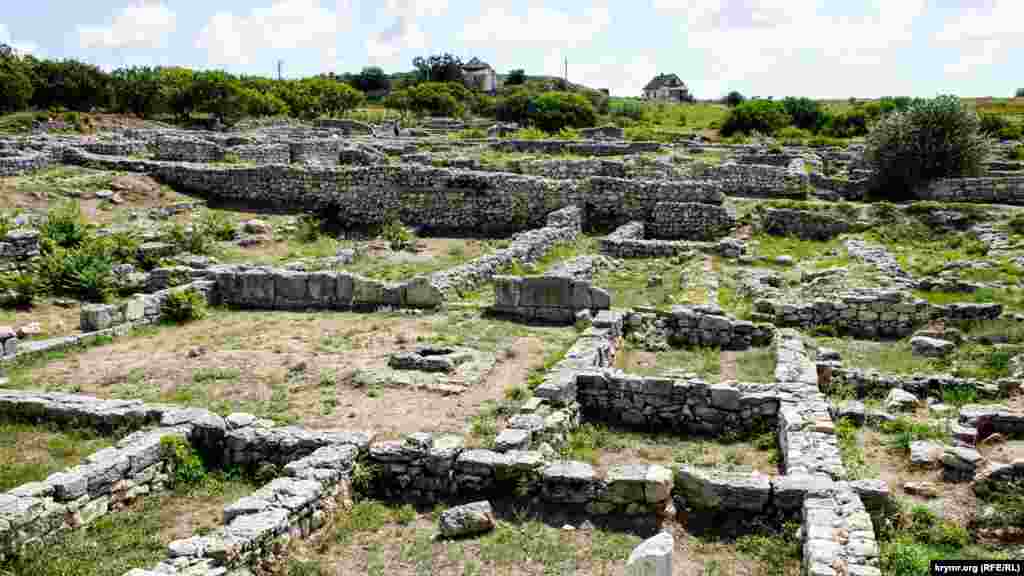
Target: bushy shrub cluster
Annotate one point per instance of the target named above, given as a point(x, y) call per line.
point(184, 306)
point(763, 116)
point(186, 468)
point(932, 139)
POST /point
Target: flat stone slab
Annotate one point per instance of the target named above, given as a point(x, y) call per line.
point(653, 557)
point(473, 518)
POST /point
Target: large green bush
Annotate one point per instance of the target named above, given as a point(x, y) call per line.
point(807, 114)
point(764, 116)
point(552, 111)
point(15, 82)
point(932, 139)
point(64, 226)
point(184, 306)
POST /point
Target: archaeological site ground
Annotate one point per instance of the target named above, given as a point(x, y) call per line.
point(331, 347)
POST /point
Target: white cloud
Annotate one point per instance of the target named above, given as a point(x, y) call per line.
point(404, 33)
point(983, 35)
point(622, 78)
point(19, 47)
point(230, 39)
point(782, 47)
point(503, 27)
point(143, 24)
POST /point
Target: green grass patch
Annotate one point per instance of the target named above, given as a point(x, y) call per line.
point(30, 453)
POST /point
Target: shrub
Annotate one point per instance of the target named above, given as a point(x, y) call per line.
point(1016, 224)
point(1011, 132)
point(792, 136)
point(195, 240)
point(185, 466)
point(734, 98)
point(19, 288)
point(1019, 93)
point(553, 111)
point(848, 124)
point(217, 225)
point(64, 226)
point(309, 229)
point(530, 134)
point(1017, 153)
point(807, 114)
point(399, 237)
point(991, 124)
point(626, 109)
point(85, 272)
point(469, 134)
point(932, 139)
point(184, 306)
point(762, 116)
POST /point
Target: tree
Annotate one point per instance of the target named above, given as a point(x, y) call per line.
point(806, 113)
point(734, 98)
point(1019, 93)
point(337, 98)
point(552, 111)
point(69, 83)
point(516, 77)
point(439, 68)
point(370, 79)
point(762, 116)
point(137, 90)
point(15, 81)
point(932, 139)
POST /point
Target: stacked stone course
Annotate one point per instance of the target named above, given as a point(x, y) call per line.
point(18, 248)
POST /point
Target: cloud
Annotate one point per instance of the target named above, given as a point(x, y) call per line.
point(384, 47)
point(982, 34)
point(230, 39)
point(620, 77)
point(785, 47)
point(143, 24)
point(19, 47)
point(539, 26)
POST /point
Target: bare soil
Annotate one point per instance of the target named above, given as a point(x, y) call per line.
point(285, 365)
point(53, 320)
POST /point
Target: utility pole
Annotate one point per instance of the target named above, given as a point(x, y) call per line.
point(566, 75)
point(280, 63)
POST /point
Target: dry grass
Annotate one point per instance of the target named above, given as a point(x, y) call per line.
point(31, 453)
point(54, 320)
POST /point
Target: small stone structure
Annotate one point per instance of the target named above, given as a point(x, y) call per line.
point(998, 190)
point(696, 326)
point(805, 224)
point(18, 248)
point(547, 298)
point(691, 221)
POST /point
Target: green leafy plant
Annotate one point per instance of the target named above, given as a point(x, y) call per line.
point(932, 139)
point(399, 237)
point(19, 288)
point(84, 272)
point(216, 224)
point(64, 226)
point(184, 306)
point(185, 467)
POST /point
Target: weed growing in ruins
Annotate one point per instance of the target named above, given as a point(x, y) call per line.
point(186, 467)
point(398, 236)
point(204, 375)
point(30, 453)
point(851, 451)
point(959, 395)
point(903, 431)
point(773, 551)
point(184, 306)
point(19, 288)
point(366, 516)
point(916, 536)
point(363, 477)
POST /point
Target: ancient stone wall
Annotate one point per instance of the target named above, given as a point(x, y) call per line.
point(24, 163)
point(872, 384)
point(594, 349)
point(18, 248)
point(872, 313)
point(120, 147)
point(757, 181)
point(998, 190)
point(685, 406)
point(437, 198)
point(699, 326)
point(262, 153)
point(318, 152)
point(691, 221)
point(583, 148)
point(547, 298)
point(805, 224)
point(177, 148)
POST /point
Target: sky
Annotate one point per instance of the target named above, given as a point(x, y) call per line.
point(814, 48)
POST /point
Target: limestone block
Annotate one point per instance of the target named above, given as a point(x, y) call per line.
point(653, 557)
point(472, 518)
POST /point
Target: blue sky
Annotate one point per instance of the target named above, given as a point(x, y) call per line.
point(817, 48)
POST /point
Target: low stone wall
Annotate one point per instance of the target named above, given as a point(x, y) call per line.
point(108, 480)
point(345, 125)
point(627, 241)
point(117, 147)
point(187, 149)
point(1001, 190)
point(438, 199)
point(838, 535)
point(262, 153)
point(547, 298)
point(144, 308)
point(685, 406)
point(698, 326)
point(756, 181)
point(18, 248)
point(423, 468)
point(594, 349)
point(806, 431)
point(805, 224)
point(24, 163)
point(318, 152)
point(583, 148)
point(632, 168)
point(869, 383)
point(691, 221)
point(872, 313)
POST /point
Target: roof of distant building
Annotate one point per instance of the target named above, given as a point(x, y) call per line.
point(665, 80)
point(475, 64)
